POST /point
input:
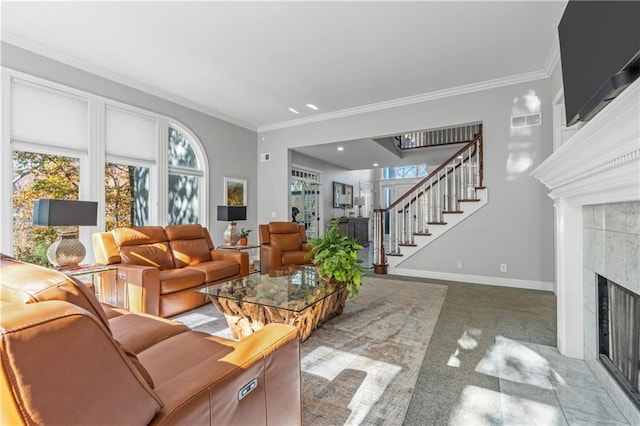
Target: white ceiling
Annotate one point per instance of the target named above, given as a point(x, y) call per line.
point(249, 62)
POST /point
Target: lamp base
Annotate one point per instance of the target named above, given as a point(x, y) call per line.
point(66, 251)
point(231, 235)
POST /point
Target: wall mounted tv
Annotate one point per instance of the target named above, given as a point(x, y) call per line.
point(600, 54)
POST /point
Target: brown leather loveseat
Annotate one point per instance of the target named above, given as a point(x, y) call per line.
point(164, 266)
point(68, 360)
point(281, 244)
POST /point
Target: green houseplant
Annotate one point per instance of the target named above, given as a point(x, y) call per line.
point(336, 257)
point(244, 236)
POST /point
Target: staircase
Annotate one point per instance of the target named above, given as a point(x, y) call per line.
point(450, 194)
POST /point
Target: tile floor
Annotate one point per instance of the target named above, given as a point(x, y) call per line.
point(538, 386)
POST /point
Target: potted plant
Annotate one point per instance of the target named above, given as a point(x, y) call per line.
point(244, 236)
point(336, 257)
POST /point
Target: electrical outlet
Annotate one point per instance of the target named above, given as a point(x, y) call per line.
point(459, 264)
point(503, 267)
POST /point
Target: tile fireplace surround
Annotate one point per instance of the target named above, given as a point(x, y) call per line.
point(594, 180)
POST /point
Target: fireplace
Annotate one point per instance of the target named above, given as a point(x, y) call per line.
point(594, 180)
point(619, 335)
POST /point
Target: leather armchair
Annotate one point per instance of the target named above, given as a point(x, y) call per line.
point(282, 243)
point(64, 361)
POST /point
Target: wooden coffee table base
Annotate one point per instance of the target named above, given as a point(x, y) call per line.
point(244, 318)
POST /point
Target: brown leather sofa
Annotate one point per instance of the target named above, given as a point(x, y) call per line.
point(67, 359)
point(163, 266)
point(282, 243)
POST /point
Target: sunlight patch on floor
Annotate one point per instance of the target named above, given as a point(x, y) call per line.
point(466, 342)
point(328, 363)
point(511, 360)
point(195, 319)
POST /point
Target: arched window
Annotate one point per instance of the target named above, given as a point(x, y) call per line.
point(185, 168)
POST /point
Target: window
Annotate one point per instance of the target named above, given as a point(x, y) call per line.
point(126, 196)
point(404, 172)
point(185, 178)
point(141, 167)
point(39, 176)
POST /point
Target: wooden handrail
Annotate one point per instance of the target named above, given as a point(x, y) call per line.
point(477, 138)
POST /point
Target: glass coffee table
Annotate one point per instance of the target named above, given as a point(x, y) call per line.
point(294, 295)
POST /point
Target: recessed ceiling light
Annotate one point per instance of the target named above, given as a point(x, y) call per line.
point(312, 106)
point(341, 148)
point(293, 111)
point(375, 164)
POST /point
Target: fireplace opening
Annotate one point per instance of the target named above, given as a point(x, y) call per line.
point(619, 335)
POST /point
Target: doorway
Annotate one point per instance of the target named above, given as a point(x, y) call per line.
point(305, 200)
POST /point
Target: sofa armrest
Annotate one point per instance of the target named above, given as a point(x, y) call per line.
point(200, 377)
point(270, 258)
point(242, 257)
point(143, 287)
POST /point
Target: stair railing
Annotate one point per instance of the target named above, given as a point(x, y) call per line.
point(425, 205)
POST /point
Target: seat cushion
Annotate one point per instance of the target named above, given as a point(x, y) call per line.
point(217, 270)
point(141, 331)
point(295, 258)
point(173, 280)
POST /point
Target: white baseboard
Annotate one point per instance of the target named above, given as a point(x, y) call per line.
point(478, 279)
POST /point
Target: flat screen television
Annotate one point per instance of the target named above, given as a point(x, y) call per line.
point(599, 52)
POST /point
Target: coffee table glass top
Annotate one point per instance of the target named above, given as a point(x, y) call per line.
point(292, 288)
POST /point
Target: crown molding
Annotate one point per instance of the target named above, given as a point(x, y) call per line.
point(410, 100)
point(69, 60)
point(550, 64)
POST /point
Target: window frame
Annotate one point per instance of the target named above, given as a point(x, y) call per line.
point(94, 159)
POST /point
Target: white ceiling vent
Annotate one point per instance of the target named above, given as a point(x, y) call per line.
point(265, 156)
point(526, 120)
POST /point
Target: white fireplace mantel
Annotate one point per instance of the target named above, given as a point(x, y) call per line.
point(599, 164)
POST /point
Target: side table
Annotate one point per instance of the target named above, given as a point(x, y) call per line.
point(105, 282)
point(254, 265)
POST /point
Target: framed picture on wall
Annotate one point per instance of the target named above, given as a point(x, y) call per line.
point(235, 191)
point(342, 195)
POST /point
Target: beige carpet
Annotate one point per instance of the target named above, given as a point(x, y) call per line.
point(360, 367)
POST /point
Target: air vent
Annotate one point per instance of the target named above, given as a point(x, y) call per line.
point(265, 156)
point(526, 120)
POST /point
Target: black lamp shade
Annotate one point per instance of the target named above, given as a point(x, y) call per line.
point(48, 212)
point(232, 213)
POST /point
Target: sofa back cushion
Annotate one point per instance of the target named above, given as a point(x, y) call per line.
point(285, 235)
point(145, 246)
point(22, 283)
point(188, 244)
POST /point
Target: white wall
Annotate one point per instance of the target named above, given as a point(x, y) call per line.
point(516, 227)
point(231, 150)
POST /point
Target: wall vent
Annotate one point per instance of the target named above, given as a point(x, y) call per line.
point(265, 156)
point(526, 120)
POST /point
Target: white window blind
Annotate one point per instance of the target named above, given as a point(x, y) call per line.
point(131, 135)
point(48, 117)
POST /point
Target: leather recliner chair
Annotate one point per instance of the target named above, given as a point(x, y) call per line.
point(281, 244)
point(67, 359)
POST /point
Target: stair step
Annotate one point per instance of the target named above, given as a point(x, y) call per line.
point(436, 223)
point(393, 254)
point(423, 234)
point(470, 200)
point(407, 244)
point(453, 212)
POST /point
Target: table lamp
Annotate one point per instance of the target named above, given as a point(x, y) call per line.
point(67, 251)
point(231, 214)
point(359, 201)
point(344, 200)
